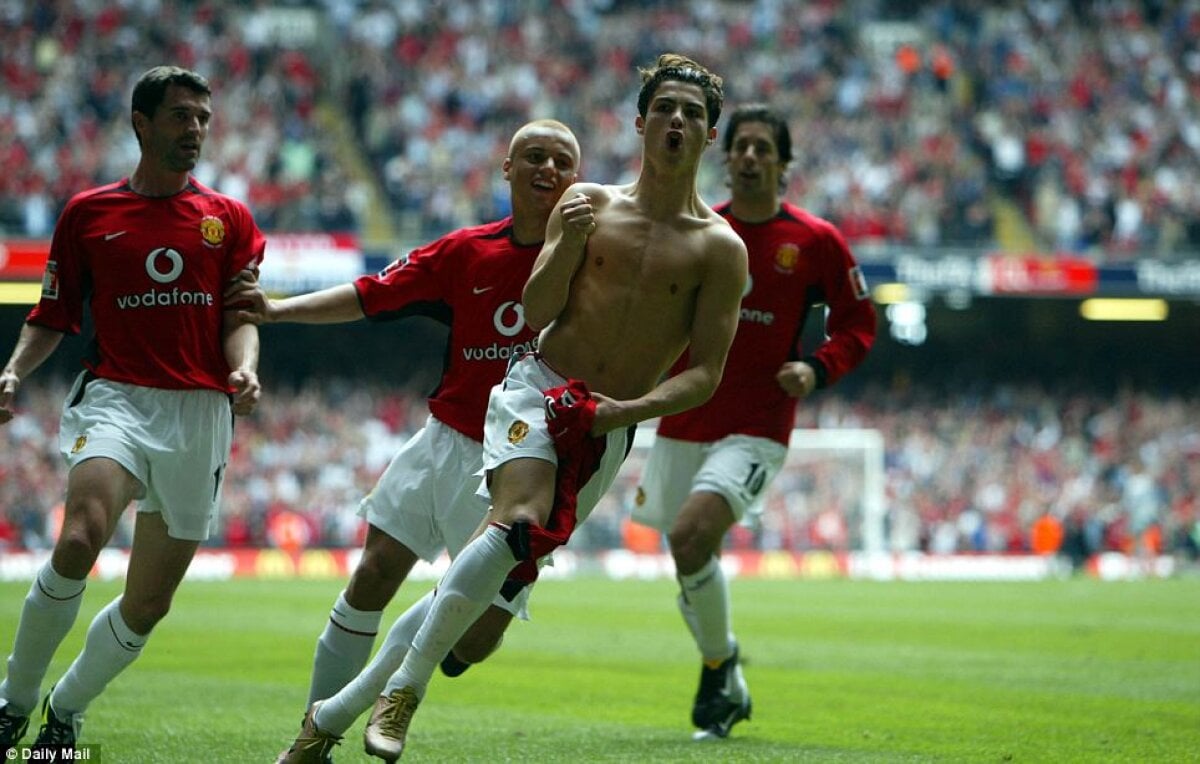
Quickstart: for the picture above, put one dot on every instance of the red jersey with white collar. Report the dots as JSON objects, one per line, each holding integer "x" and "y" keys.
{"x": 797, "y": 260}
{"x": 471, "y": 280}
{"x": 152, "y": 271}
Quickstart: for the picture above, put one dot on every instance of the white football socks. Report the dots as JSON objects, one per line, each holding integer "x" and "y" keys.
{"x": 337, "y": 713}
{"x": 50, "y": 610}
{"x": 469, "y": 586}
{"x": 108, "y": 650}
{"x": 342, "y": 649}
{"x": 705, "y": 605}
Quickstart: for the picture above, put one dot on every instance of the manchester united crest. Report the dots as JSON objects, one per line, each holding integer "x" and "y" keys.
{"x": 786, "y": 258}
{"x": 213, "y": 230}
{"x": 517, "y": 432}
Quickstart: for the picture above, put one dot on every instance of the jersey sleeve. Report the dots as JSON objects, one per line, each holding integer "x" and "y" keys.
{"x": 65, "y": 280}
{"x": 251, "y": 244}
{"x": 851, "y": 323}
{"x": 415, "y": 284}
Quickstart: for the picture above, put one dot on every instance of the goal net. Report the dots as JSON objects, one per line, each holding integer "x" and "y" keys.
{"x": 828, "y": 496}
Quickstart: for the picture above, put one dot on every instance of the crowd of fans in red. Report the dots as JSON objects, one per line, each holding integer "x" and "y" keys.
{"x": 910, "y": 118}
{"x": 909, "y": 121}
{"x": 967, "y": 473}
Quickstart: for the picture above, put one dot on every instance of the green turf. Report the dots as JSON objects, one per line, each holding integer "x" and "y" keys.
{"x": 1057, "y": 671}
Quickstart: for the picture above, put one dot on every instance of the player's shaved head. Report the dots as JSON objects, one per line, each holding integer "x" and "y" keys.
{"x": 539, "y": 125}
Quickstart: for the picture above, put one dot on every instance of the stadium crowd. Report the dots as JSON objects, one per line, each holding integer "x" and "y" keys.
{"x": 968, "y": 473}
{"x": 1085, "y": 115}
{"x": 911, "y": 118}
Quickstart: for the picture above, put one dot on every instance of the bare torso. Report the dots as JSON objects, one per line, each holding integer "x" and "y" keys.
{"x": 633, "y": 299}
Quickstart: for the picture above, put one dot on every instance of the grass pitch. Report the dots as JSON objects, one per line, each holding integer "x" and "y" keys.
{"x": 840, "y": 671}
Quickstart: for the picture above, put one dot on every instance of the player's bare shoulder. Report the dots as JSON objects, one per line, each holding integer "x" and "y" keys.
{"x": 725, "y": 247}
{"x": 598, "y": 193}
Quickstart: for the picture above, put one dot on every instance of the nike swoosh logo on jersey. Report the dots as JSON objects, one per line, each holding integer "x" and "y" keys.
{"x": 481, "y": 290}
{"x": 111, "y": 236}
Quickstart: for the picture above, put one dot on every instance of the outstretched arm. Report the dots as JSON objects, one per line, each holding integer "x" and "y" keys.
{"x": 567, "y": 232}
{"x": 249, "y": 304}
{"x": 34, "y": 345}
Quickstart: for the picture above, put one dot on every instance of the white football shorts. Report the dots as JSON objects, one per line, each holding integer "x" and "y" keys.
{"x": 426, "y": 498}
{"x": 175, "y": 442}
{"x": 737, "y": 467}
{"x": 516, "y": 428}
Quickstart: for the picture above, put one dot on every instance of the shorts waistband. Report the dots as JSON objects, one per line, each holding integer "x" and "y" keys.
{"x": 537, "y": 357}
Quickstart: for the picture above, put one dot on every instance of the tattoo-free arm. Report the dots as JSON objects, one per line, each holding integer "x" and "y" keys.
{"x": 335, "y": 305}
{"x": 34, "y": 345}
{"x": 567, "y": 231}
{"x": 240, "y": 343}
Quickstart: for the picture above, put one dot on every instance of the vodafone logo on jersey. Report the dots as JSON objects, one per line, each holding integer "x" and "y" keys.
{"x": 509, "y": 321}
{"x": 752, "y": 315}
{"x": 174, "y": 266}
{"x": 164, "y": 265}
{"x": 509, "y": 318}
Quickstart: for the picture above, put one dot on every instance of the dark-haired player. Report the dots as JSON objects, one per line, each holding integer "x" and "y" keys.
{"x": 151, "y": 417}
{"x": 709, "y": 466}
{"x": 628, "y": 277}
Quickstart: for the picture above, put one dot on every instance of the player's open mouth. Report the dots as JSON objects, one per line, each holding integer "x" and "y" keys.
{"x": 674, "y": 140}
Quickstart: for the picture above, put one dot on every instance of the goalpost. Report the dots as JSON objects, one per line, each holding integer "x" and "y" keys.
{"x": 860, "y": 449}
{"x": 830, "y": 493}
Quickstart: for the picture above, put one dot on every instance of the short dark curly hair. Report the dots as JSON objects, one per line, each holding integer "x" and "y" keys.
{"x": 680, "y": 68}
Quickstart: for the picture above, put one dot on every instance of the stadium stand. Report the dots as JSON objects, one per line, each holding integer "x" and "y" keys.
{"x": 1050, "y": 126}
{"x": 972, "y": 473}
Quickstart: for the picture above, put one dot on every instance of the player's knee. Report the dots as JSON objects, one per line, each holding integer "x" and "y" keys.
{"x": 80, "y": 541}
{"x": 690, "y": 548}
{"x": 376, "y": 579}
{"x": 142, "y": 614}
{"x": 373, "y": 575}
{"x": 517, "y": 536}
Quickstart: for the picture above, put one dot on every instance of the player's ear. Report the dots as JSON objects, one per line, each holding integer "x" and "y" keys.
{"x": 639, "y": 124}
{"x": 712, "y": 135}
{"x": 139, "y": 123}
{"x": 506, "y": 167}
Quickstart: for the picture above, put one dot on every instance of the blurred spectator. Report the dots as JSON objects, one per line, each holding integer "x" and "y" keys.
{"x": 68, "y": 70}
{"x": 912, "y": 119}
{"x": 966, "y": 472}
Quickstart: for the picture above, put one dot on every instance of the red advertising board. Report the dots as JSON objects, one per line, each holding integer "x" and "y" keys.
{"x": 23, "y": 259}
{"x": 1030, "y": 275}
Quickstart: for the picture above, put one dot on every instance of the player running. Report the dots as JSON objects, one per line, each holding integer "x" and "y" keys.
{"x": 425, "y": 500}
{"x": 629, "y": 276}
{"x": 151, "y": 417}
{"x": 709, "y": 466}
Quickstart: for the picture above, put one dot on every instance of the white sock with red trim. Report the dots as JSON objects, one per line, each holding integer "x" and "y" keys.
{"x": 338, "y": 713}
{"x": 343, "y": 648}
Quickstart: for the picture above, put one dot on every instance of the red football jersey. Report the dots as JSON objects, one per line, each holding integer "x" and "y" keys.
{"x": 152, "y": 271}
{"x": 471, "y": 280}
{"x": 797, "y": 260}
